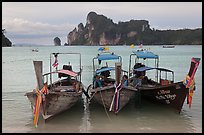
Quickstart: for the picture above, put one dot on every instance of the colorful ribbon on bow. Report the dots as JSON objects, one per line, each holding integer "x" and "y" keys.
{"x": 191, "y": 85}
{"x": 40, "y": 97}
{"x": 189, "y": 82}
{"x": 116, "y": 99}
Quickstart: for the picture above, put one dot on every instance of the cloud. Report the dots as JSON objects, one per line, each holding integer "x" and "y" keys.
{"x": 21, "y": 28}
{"x": 48, "y": 19}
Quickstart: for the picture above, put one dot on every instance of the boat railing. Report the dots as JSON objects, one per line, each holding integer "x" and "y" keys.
{"x": 56, "y": 55}
{"x": 144, "y": 55}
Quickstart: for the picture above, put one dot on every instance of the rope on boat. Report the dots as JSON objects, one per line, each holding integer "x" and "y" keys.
{"x": 92, "y": 96}
{"x": 85, "y": 92}
{"x": 87, "y": 89}
{"x": 101, "y": 99}
{"x": 105, "y": 107}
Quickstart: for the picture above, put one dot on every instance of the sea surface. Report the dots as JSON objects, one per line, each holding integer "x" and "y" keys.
{"x": 18, "y": 77}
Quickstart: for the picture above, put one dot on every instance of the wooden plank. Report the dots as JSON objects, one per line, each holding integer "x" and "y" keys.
{"x": 38, "y": 73}
{"x": 118, "y": 66}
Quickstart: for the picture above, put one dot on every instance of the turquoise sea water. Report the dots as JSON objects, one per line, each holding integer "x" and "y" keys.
{"x": 18, "y": 77}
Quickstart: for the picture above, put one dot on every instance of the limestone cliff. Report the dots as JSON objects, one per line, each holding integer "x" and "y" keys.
{"x": 100, "y": 30}
{"x": 57, "y": 41}
{"x": 5, "y": 41}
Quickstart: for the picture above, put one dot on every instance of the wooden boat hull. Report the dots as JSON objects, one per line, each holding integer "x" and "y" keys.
{"x": 59, "y": 95}
{"x": 55, "y": 102}
{"x": 172, "y": 94}
{"x": 104, "y": 95}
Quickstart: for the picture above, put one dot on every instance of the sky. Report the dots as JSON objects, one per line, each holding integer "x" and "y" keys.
{"x": 40, "y": 22}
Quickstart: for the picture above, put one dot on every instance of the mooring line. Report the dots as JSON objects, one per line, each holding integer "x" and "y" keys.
{"x": 105, "y": 107}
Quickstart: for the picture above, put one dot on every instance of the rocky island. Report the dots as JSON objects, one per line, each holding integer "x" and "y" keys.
{"x": 5, "y": 41}
{"x": 57, "y": 41}
{"x": 100, "y": 30}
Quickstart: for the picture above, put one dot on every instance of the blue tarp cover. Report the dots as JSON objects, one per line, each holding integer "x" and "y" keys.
{"x": 145, "y": 54}
{"x": 143, "y": 68}
{"x": 150, "y": 68}
{"x": 107, "y": 57}
{"x": 104, "y": 69}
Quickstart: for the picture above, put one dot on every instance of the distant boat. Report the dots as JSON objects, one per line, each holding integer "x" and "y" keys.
{"x": 168, "y": 46}
{"x": 34, "y": 50}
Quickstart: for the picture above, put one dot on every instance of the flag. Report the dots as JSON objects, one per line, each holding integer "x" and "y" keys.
{"x": 55, "y": 64}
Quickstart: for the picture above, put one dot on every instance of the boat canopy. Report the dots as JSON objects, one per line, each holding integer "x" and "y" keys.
{"x": 145, "y": 54}
{"x": 107, "y": 57}
{"x": 68, "y": 72}
{"x": 63, "y": 71}
{"x": 145, "y": 68}
{"x": 104, "y": 69}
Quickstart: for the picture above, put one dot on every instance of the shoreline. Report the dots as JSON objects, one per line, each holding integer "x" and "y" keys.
{"x": 93, "y": 45}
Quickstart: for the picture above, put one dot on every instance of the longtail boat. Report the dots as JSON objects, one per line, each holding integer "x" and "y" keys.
{"x": 109, "y": 87}
{"x": 58, "y": 96}
{"x": 168, "y": 46}
{"x": 162, "y": 87}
